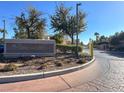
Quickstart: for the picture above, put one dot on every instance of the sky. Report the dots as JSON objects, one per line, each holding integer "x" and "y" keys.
{"x": 104, "y": 17}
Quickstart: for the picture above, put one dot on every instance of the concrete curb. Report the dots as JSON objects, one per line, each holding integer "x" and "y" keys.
{"x": 25, "y": 77}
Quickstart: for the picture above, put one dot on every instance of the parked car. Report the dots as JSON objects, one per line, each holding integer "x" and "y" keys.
{"x": 1, "y": 48}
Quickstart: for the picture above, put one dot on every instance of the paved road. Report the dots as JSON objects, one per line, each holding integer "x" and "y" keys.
{"x": 112, "y": 77}
{"x": 105, "y": 74}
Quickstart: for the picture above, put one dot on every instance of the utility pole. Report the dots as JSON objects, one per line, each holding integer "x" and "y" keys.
{"x": 4, "y": 31}
{"x": 77, "y": 6}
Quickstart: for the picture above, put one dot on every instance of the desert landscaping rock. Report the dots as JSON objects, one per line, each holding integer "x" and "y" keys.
{"x": 23, "y": 77}
{"x": 38, "y": 64}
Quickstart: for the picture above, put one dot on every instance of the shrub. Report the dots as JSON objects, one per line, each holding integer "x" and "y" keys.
{"x": 10, "y": 67}
{"x": 29, "y": 63}
{"x": 84, "y": 54}
{"x": 42, "y": 66}
{"x": 84, "y": 60}
{"x": 68, "y": 48}
{"x": 58, "y": 38}
{"x": 80, "y": 62}
{"x": 58, "y": 64}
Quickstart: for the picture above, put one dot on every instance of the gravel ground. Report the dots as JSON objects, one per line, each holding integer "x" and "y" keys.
{"x": 34, "y": 65}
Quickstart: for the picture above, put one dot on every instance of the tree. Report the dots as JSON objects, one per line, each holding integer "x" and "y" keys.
{"x": 114, "y": 40}
{"x": 2, "y": 31}
{"x": 62, "y": 21}
{"x": 102, "y": 38}
{"x": 81, "y": 43}
{"x": 121, "y": 35}
{"x": 97, "y": 36}
{"x": 20, "y": 34}
{"x": 71, "y": 26}
{"x": 58, "y": 38}
{"x": 59, "y": 19}
{"x": 30, "y": 25}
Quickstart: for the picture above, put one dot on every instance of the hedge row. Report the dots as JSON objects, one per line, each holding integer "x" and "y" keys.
{"x": 68, "y": 48}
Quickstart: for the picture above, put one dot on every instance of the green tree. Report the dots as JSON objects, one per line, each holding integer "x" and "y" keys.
{"x": 30, "y": 25}
{"x": 71, "y": 25}
{"x": 62, "y": 21}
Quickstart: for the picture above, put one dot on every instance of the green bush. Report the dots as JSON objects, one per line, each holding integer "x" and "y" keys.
{"x": 68, "y": 48}
{"x": 10, "y": 67}
{"x": 58, "y": 38}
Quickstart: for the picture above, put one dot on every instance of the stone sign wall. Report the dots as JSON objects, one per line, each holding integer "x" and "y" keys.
{"x": 28, "y": 47}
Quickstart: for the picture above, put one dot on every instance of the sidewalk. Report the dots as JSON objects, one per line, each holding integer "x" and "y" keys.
{"x": 56, "y": 83}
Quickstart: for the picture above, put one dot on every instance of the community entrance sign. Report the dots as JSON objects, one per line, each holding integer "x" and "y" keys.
{"x": 29, "y": 47}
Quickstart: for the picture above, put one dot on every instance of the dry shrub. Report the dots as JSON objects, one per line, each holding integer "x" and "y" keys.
{"x": 10, "y": 67}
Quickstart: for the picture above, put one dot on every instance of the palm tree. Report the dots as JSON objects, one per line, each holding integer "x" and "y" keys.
{"x": 97, "y": 36}
{"x": 2, "y": 31}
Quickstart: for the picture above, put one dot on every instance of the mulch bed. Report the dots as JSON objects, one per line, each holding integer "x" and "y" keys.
{"x": 39, "y": 64}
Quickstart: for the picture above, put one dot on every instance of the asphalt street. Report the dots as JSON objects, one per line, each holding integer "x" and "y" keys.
{"x": 111, "y": 66}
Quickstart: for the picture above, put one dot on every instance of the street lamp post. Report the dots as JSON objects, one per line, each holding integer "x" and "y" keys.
{"x": 4, "y": 31}
{"x": 77, "y": 5}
